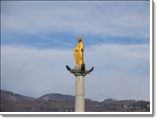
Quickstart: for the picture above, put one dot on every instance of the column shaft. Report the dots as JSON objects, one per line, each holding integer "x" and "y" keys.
{"x": 79, "y": 95}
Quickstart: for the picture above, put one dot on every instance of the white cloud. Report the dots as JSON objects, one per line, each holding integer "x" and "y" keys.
{"x": 98, "y": 18}
{"x": 121, "y": 71}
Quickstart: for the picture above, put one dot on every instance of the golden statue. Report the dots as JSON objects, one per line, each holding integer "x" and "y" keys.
{"x": 79, "y": 53}
{"x": 79, "y": 69}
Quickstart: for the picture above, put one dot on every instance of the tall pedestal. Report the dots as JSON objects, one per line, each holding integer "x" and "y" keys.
{"x": 79, "y": 87}
{"x": 79, "y": 95}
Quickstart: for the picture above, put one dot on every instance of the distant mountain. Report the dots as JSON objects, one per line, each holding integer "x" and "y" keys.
{"x": 57, "y": 97}
{"x": 14, "y": 96}
{"x": 109, "y": 100}
{"x": 12, "y": 102}
{"x": 125, "y": 105}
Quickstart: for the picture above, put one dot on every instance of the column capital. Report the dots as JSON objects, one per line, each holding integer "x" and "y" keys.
{"x": 79, "y": 72}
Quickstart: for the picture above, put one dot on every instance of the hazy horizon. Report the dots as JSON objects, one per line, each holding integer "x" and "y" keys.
{"x": 72, "y": 95}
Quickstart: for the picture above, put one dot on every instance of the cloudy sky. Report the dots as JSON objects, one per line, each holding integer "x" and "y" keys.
{"x": 37, "y": 41}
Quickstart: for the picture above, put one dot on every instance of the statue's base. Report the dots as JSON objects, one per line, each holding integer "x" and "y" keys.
{"x": 79, "y": 72}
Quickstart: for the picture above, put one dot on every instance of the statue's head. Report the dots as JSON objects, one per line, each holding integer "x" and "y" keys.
{"x": 80, "y": 39}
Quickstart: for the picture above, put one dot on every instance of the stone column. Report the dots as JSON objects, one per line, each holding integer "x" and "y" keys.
{"x": 79, "y": 87}
{"x": 79, "y": 94}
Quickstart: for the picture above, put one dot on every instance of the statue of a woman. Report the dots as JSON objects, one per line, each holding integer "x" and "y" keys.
{"x": 79, "y": 55}
{"x": 79, "y": 69}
